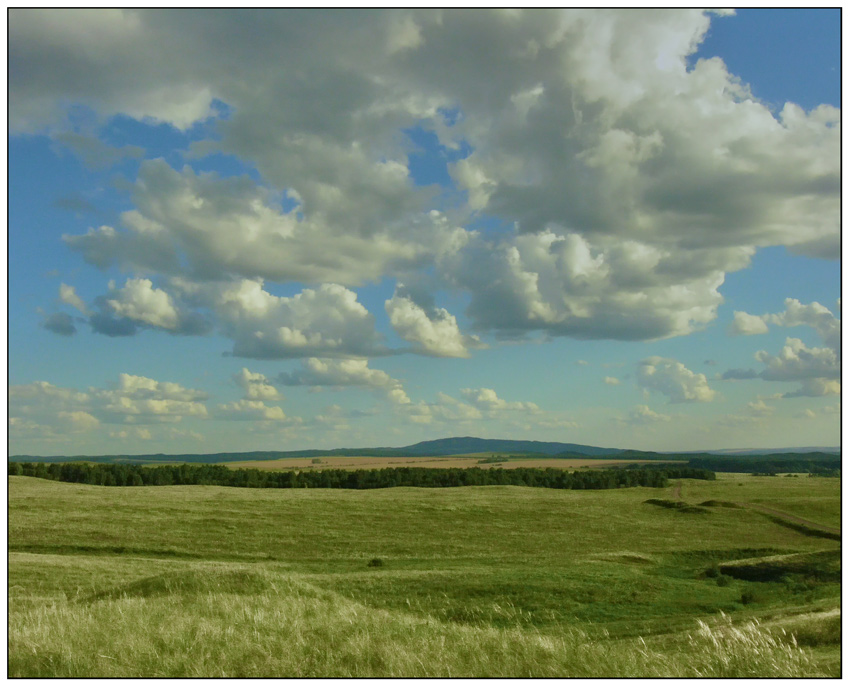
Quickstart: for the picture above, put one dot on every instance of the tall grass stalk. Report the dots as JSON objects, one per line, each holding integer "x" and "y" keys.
{"x": 292, "y": 629}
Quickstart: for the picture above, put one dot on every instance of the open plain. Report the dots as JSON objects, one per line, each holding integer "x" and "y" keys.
{"x": 180, "y": 581}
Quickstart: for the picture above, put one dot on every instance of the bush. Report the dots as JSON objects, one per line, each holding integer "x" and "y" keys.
{"x": 375, "y": 562}
{"x": 723, "y": 580}
{"x": 748, "y": 597}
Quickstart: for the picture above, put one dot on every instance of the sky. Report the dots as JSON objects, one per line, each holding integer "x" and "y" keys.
{"x": 277, "y": 230}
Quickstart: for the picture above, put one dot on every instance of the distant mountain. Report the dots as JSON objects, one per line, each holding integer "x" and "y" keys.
{"x": 773, "y": 451}
{"x": 469, "y": 444}
{"x": 441, "y": 447}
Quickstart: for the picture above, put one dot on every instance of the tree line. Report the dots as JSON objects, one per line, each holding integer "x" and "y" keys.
{"x": 817, "y": 463}
{"x": 219, "y": 475}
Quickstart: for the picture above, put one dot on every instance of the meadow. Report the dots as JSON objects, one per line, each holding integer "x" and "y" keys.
{"x": 490, "y": 581}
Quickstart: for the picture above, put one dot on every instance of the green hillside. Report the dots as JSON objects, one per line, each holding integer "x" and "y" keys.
{"x": 190, "y": 581}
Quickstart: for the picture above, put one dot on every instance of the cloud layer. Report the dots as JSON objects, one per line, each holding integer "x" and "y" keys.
{"x": 629, "y": 181}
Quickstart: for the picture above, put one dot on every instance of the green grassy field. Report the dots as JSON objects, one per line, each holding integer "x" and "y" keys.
{"x": 475, "y": 582}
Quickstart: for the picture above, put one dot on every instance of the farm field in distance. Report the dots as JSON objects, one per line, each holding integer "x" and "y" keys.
{"x": 209, "y": 581}
{"x": 482, "y": 460}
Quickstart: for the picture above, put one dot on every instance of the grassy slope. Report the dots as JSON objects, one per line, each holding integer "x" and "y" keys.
{"x": 803, "y": 496}
{"x": 522, "y": 573}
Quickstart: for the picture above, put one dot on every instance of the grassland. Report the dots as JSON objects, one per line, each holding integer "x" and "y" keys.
{"x": 477, "y": 581}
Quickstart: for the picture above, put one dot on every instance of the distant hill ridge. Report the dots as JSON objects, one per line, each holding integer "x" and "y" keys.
{"x": 470, "y": 444}
{"x": 457, "y": 445}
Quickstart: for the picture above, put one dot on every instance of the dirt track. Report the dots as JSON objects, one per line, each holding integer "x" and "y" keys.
{"x": 676, "y": 495}
{"x": 789, "y": 517}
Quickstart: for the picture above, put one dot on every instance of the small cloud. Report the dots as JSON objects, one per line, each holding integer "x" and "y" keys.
{"x": 135, "y": 433}
{"x": 433, "y": 330}
{"x": 736, "y": 421}
{"x": 759, "y": 408}
{"x": 674, "y": 380}
{"x": 60, "y": 323}
{"x": 68, "y": 295}
{"x": 487, "y": 399}
{"x": 250, "y": 410}
{"x": 104, "y": 323}
{"x": 815, "y": 388}
{"x": 75, "y": 204}
{"x": 643, "y": 414}
{"x": 611, "y": 381}
{"x": 582, "y": 363}
{"x": 806, "y": 414}
{"x": 739, "y": 374}
{"x": 77, "y": 421}
{"x": 256, "y": 386}
{"x": 317, "y": 373}
{"x": 747, "y": 325}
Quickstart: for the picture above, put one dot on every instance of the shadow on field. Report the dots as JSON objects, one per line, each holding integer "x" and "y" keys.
{"x": 677, "y": 505}
{"x": 190, "y": 583}
{"x": 822, "y": 565}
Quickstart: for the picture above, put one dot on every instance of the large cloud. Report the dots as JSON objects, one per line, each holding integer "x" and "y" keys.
{"x": 137, "y": 305}
{"x": 569, "y": 285}
{"x": 327, "y": 321}
{"x": 601, "y": 128}
{"x": 797, "y": 361}
{"x": 206, "y": 227}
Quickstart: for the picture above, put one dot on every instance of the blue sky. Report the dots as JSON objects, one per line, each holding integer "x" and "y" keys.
{"x": 247, "y": 231}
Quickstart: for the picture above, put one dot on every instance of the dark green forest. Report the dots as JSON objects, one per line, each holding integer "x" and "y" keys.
{"x": 821, "y": 464}
{"x": 218, "y": 475}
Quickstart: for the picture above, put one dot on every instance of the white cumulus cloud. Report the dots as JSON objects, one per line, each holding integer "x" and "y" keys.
{"x": 317, "y": 372}
{"x": 433, "y": 331}
{"x": 674, "y": 380}
{"x": 747, "y": 325}
{"x": 817, "y": 369}
{"x": 255, "y": 386}
{"x": 250, "y": 410}
{"x": 643, "y": 414}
